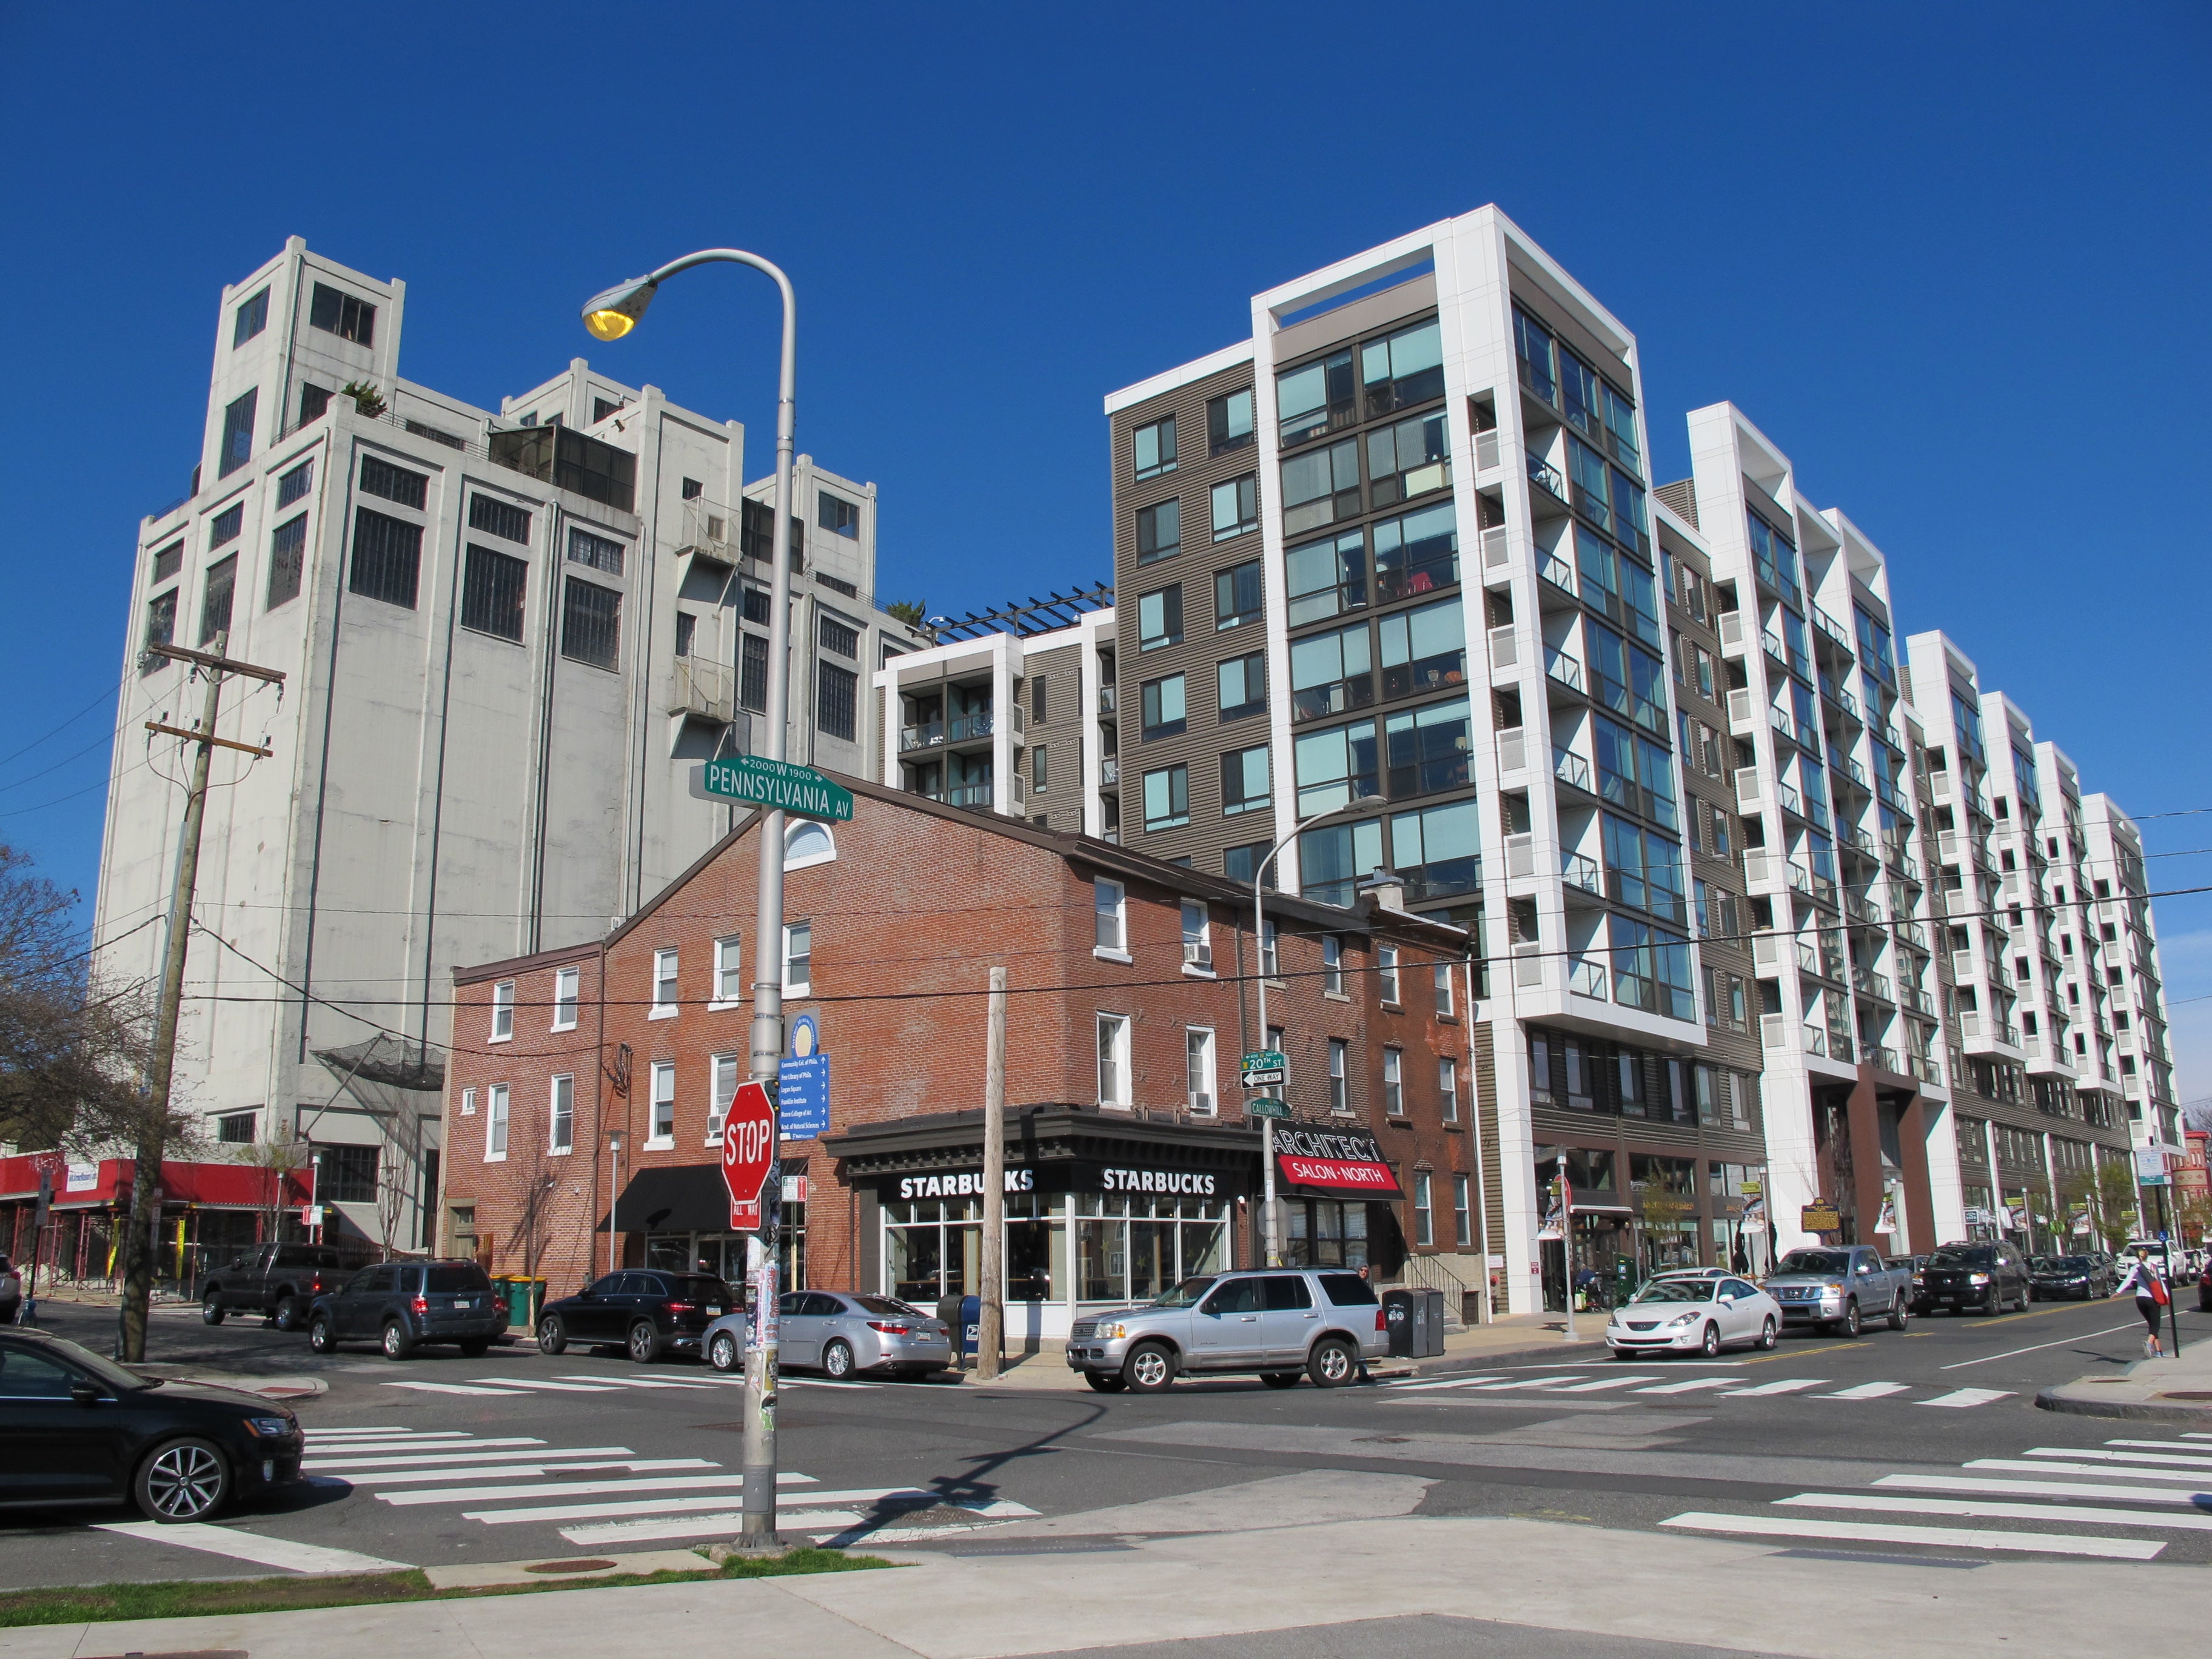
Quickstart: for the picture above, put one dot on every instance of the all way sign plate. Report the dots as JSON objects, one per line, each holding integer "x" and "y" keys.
{"x": 759, "y": 782}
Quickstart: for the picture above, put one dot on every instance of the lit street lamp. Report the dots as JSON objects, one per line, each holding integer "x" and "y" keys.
{"x": 609, "y": 316}
{"x": 614, "y": 1174}
{"x": 1361, "y": 803}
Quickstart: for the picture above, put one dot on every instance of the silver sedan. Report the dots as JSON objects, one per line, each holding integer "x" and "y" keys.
{"x": 839, "y": 1334}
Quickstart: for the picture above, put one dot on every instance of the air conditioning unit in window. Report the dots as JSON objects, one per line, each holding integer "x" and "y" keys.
{"x": 1197, "y": 955}
{"x": 1201, "y": 1102}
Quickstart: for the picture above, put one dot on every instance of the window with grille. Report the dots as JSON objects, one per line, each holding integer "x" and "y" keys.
{"x": 295, "y": 483}
{"x": 348, "y": 1175}
{"x": 235, "y": 1127}
{"x": 840, "y": 637}
{"x": 340, "y": 313}
{"x": 288, "y": 558}
{"x": 496, "y": 518}
{"x": 599, "y": 552}
{"x": 237, "y": 434}
{"x": 252, "y": 318}
{"x": 225, "y": 526}
{"x": 168, "y": 562}
{"x": 493, "y": 588}
{"x": 387, "y": 557}
{"x": 394, "y": 483}
{"x": 591, "y": 624}
{"x": 837, "y": 700}
{"x": 752, "y": 673}
{"x": 836, "y": 516}
{"x": 214, "y": 598}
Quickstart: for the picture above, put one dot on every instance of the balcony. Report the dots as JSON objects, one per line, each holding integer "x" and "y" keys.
{"x": 1109, "y": 772}
{"x": 1840, "y": 1046}
{"x": 968, "y": 728}
{"x": 1832, "y": 631}
{"x": 969, "y": 794}
{"x": 1565, "y": 670}
{"x": 1557, "y": 573}
{"x": 1918, "y": 1001}
{"x": 1809, "y": 962}
{"x": 1109, "y": 698}
{"x": 1791, "y": 801}
{"x": 1774, "y": 654}
{"x": 1861, "y": 910}
{"x": 1816, "y": 1041}
{"x": 1870, "y": 984}
{"x": 1572, "y": 770}
{"x": 928, "y": 735}
{"x": 1884, "y": 1060}
{"x": 706, "y": 690}
{"x": 1587, "y": 979}
{"x": 1847, "y": 769}
{"x": 1581, "y": 873}
{"x": 1925, "y": 1068}
{"x": 1546, "y": 478}
{"x": 1912, "y": 934}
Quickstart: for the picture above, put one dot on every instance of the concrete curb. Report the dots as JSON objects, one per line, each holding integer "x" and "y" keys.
{"x": 2065, "y": 1398}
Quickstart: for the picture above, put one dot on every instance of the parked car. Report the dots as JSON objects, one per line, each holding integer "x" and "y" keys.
{"x": 1694, "y": 1313}
{"x": 1280, "y": 1322}
{"x": 1840, "y": 1288}
{"x": 279, "y": 1281}
{"x": 78, "y": 1429}
{"x": 2079, "y": 1277}
{"x": 839, "y": 1333}
{"x": 1990, "y": 1277}
{"x": 401, "y": 1305}
{"x": 650, "y": 1311}
{"x": 2204, "y": 1290}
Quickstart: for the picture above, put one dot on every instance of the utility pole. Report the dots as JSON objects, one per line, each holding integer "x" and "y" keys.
{"x": 153, "y": 1125}
{"x": 991, "y": 1327}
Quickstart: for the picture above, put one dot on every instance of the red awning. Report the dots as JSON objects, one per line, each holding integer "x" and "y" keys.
{"x": 1333, "y": 1162}
{"x": 78, "y": 1185}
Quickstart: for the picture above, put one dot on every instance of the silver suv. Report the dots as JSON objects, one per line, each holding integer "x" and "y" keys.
{"x": 1279, "y": 1323}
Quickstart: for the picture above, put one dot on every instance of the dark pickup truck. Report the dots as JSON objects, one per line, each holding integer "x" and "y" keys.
{"x": 278, "y": 1281}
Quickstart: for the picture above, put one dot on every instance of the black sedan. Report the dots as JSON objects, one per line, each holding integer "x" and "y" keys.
{"x": 2204, "y": 1290}
{"x": 78, "y": 1429}
{"x": 649, "y": 1311}
{"x": 2082, "y": 1277}
{"x": 400, "y": 1305}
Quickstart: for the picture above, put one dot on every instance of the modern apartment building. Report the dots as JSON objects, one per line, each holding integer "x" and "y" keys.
{"x": 2112, "y": 875}
{"x": 506, "y": 637}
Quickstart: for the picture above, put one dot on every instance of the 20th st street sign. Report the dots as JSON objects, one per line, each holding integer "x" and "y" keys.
{"x": 759, "y": 782}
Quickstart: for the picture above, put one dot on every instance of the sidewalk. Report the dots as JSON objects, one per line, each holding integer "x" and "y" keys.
{"x": 2172, "y": 1389}
{"x": 1066, "y": 1594}
{"x": 1539, "y": 1334}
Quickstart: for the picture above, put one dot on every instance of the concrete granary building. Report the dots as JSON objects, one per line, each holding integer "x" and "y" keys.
{"x": 1132, "y": 993}
{"x": 508, "y": 636}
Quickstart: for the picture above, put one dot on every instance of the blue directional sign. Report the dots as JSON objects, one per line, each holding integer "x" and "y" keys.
{"x": 803, "y": 1102}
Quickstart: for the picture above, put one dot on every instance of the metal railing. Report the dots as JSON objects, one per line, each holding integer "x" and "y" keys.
{"x": 927, "y": 735}
{"x": 1586, "y": 978}
{"x": 970, "y": 726}
{"x": 1572, "y": 768}
{"x": 1580, "y": 870}
{"x": 1545, "y": 478}
{"x": 1558, "y": 665}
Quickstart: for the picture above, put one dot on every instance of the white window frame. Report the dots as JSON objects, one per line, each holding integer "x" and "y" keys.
{"x": 1447, "y": 1085}
{"x": 1202, "y": 1095}
{"x": 729, "y": 971}
{"x": 720, "y": 1068}
{"x": 496, "y": 1116}
{"x": 808, "y": 861}
{"x": 1114, "y": 911}
{"x": 1113, "y": 1030}
{"x": 663, "y": 1094}
{"x": 1462, "y": 1213}
{"x": 468, "y": 1103}
{"x": 1386, "y": 973}
{"x": 1394, "y": 1082}
{"x": 555, "y": 1145}
{"x": 802, "y": 986}
{"x": 1197, "y": 943}
{"x": 1332, "y": 965}
{"x": 1425, "y": 1216}
{"x": 1271, "y": 952}
{"x": 502, "y": 1011}
{"x": 667, "y": 965}
{"x": 1340, "y": 1074}
{"x": 568, "y": 994}
{"x": 1447, "y": 991}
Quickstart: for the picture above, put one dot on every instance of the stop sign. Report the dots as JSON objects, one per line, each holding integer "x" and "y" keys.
{"x": 748, "y": 1151}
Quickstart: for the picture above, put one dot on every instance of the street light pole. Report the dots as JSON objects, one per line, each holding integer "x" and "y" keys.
{"x": 609, "y": 316}
{"x": 1270, "y": 1232}
{"x": 614, "y": 1177}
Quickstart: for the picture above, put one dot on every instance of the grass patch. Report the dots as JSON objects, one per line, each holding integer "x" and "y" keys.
{"x": 191, "y": 1598}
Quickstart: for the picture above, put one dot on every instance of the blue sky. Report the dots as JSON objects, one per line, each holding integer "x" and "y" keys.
{"x": 1951, "y": 257}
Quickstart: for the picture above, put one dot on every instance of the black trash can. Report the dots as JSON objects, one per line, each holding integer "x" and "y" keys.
{"x": 1403, "y": 1312}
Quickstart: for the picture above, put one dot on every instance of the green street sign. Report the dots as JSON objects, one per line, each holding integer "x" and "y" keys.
{"x": 1265, "y": 1108}
{"x": 1263, "y": 1066}
{"x": 758, "y": 781}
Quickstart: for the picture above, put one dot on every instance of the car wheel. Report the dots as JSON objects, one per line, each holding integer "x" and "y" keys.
{"x": 321, "y": 1339}
{"x": 397, "y": 1345}
{"x": 1770, "y": 1337}
{"x": 287, "y": 1313}
{"x": 1150, "y": 1368}
{"x": 644, "y": 1344}
{"x": 722, "y": 1351}
{"x": 1280, "y": 1379}
{"x": 210, "y": 1310}
{"x": 1709, "y": 1344}
{"x": 837, "y": 1359}
{"x": 1333, "y": 1363}
{"x": 552, "y": 1335}
{"x": 1898, "y": 1313}
{"x": 475, "y": 1346}
{"x": 184, "y": 1480}
{"x": 1106, "y": 1381}
{"x": 1848, "y": 1325}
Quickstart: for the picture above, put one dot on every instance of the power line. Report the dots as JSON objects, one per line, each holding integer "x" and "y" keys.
{"x": 56, "y": 731}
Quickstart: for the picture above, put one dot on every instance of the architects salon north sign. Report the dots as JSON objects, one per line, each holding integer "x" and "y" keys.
{"x": 1349, "y": 1162}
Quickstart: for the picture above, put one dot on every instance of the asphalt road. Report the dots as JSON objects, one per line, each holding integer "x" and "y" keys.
{"x": 1826, "y": 1445}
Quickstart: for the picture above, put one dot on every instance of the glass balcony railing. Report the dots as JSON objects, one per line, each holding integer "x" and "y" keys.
{"x": 924, "y": 736}
{"x": 1587, "y": 979}
{"x": 969, "y": 794}
{"x": 1572, "y": 768}
{"x": 968, "y": 726}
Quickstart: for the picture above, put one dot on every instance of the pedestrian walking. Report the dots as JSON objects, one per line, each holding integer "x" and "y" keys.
{"x": 2151, "y": 1295}
{"x": 11, "y": 1291}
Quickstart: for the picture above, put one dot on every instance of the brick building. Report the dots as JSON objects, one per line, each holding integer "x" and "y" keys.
{"x": 1132, "y": 993}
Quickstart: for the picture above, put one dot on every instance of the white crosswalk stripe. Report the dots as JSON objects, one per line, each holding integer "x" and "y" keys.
{"x": 1962, "y": 1397}
{"x": 1726, "y": 1386}
{"x": 454, "y": 1388}
{"x": 1866, "y": 1391}
{"x": 548, "y": 1384}
{"x": 2114, "y": 1496}
{"x": 1787, "y": 1385}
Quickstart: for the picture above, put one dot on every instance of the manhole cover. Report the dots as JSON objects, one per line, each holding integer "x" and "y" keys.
{"x": 568, "y": 1566}
{"x": 2186, "y": 1393}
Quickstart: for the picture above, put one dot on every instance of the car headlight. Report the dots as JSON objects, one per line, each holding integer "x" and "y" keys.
{"x": 1111, "y": 1332}
{"x": 268, "y": 1428}
{"x": 1977, "y": 1278}
{"x": 1830, "y": 1293}
{"x": 1683, "y": 1319}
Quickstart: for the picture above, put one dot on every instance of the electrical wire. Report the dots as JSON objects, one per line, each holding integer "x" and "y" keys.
{"x": 56, "y": 731}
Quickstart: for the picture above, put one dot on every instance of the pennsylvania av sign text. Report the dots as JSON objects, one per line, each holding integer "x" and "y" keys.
{"x": 758, "y": 781}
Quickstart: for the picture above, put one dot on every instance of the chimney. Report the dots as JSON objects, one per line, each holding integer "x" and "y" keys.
{"x": 1386, "y": 888}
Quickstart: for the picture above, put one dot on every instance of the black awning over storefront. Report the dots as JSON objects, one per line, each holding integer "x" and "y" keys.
{"x": 1051, "y": 1149}
{"x": 683, "y": 1198}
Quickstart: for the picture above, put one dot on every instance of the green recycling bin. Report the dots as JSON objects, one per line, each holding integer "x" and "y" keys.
{"x": 528, "y": 1295}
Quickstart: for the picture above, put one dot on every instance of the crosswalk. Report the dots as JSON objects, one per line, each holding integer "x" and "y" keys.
{"x": 601, "y": 1496}
{"x": 514, "y": 1384}
{"x": 1727, "y": 1386}
{"x": 2111, "y": 1496}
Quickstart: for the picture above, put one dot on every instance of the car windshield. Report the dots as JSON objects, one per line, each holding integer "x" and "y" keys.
{"x": 1961, "y": 1256}
{"x": 1186, "y": 1294}
{"x": 1677, "y": 1290}
{"x": 698, "y": 1290}
{"x": 2073, "y": 1264}
{"x": 1815, "y": 1262}
{"x": 114, "y": 1375}
{"x": 450, "y": 1276}
{"x": 889, "y": 1307}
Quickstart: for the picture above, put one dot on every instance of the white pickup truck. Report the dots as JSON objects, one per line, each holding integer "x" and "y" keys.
{"x": 1840, "y": 1288}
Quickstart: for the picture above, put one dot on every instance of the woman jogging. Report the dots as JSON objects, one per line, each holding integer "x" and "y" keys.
{"x": 2151, "y": 1297}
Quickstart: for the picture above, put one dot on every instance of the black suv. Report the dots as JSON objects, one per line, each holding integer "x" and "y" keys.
{"x": 649, "y": 1311}
{"x": 78, "y": 1429}
{"x": 278, "y": 1281}
{"x": 402, "y": 1304}
{"x": 1989, "y": 1277}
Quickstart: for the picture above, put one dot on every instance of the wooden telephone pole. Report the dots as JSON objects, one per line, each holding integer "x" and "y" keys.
{"x": 991, "y": 1325}
{"x": 138, "y": 1246}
